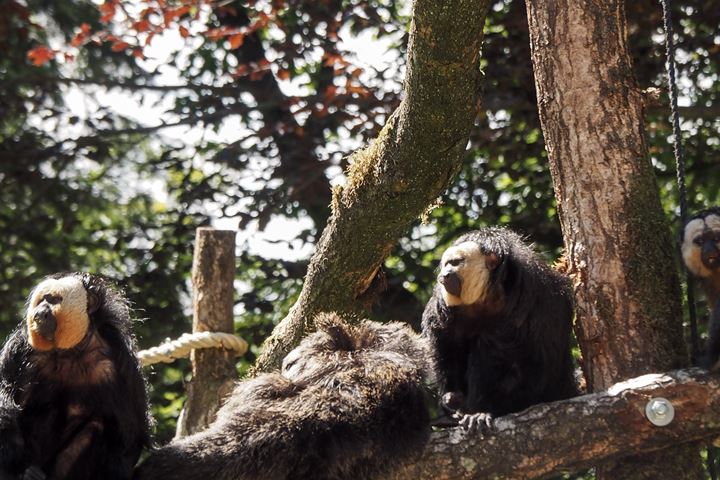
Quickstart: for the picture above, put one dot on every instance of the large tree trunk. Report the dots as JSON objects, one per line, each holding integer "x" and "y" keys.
{"x": 618, "y": 243}
{"x": 400, "y": 174}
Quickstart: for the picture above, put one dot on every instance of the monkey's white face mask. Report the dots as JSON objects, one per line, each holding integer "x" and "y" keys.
{"x": 701, "y": 246}
{"x": 464, "y": 274}
{"x": 57, "y": 314}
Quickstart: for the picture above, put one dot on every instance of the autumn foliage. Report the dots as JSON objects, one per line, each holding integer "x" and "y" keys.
{"x": 139, "y": 23}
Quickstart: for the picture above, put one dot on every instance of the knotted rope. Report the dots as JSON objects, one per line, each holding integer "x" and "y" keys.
{"x": 180, "y": 348}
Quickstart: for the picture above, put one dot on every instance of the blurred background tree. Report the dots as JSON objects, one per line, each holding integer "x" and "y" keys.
{"x": 254, "y": 107}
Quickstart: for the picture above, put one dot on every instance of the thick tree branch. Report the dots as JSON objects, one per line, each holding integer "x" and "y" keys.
{"x": 576, "y": 434}
{"x": 405, "y": 169}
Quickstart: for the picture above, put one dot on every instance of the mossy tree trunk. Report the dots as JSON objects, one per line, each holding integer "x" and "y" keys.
{"x": 618, "y": 242}
{"x": 393, "y": 181}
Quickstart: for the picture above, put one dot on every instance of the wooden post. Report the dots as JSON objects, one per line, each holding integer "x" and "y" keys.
{"x": 213, "y": 370}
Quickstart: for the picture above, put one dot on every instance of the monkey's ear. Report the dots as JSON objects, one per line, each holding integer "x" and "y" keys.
{"x": 492, "y": 260}
{"x": 93, "y": 301}
{"x": 94, "y": 292}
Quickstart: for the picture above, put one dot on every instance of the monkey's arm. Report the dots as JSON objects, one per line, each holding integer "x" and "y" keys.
{"x": 13, "y": 358}
{"x": 447, "y": 362}
{"x": 552, "y": 368}
{"x": 712, "y": 351}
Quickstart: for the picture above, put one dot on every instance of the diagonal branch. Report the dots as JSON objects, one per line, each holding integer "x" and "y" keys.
{"x": 401, "y": 173}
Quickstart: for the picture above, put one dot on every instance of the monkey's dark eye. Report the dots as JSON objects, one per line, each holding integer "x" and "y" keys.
{"x": 698, "y": 241}
{"x": 455, "y": 262}
{"x": 52, "y": 299}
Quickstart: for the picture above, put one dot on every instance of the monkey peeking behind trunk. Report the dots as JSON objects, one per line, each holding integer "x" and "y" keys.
{"x": 701, "y": 254}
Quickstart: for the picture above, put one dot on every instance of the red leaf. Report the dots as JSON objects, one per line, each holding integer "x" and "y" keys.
{"x": 216, "y": 34}
{"x": 138, "y": 53}
{"x": 40, "y": 55}
{"x": 78, "y": 39}
{"x": 107, "y": 11}
{"x": 184, "y": 32}
{"x": 236, "y": 40}
{"x": 119, "y": 46}
{"x": 85, "y": 28}
{"x": 142, "y": 26}
{"x": 283, "y": 74}
{"x": 174, "y": 13}
{"x": 241, "y": 70}
{"x": 256, "y": 75}
{"x": 331, "y": 92}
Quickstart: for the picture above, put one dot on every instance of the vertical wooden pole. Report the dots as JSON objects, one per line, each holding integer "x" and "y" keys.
{"x": 213, "y": 370}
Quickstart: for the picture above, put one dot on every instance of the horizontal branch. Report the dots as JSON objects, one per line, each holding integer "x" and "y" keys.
{"x": 228, "y": 89}
{"x": 579, "y": 433}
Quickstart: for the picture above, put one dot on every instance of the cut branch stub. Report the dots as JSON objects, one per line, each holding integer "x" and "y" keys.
{"x": 213, "y": 275}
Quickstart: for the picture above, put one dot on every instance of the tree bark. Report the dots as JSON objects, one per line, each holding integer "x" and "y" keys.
{"x": 617, "y": 241}
{"x": 575, "y": 434}
{"x": 393, "y": 181}
{"x": 213, "y": 370}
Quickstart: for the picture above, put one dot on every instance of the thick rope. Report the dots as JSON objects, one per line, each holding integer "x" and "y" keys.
{"x": 680, "y": 162}
{"x": 180, "y": 348}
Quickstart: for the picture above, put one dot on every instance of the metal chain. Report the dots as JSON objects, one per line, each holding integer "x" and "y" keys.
{"x": 682, "y": 192}
{"x": 680, "y": 162}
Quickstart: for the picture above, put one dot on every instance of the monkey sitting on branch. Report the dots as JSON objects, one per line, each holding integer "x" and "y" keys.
{"x": 499, "y": 324}
{"x": 73, "y": 401}
{"x": 348, "y": 403}
{"x": 701, "y": 254}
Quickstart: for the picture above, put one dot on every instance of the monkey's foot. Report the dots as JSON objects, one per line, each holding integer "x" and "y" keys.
{"x": 33, "y": 473}
{"x": 476, "y": 422}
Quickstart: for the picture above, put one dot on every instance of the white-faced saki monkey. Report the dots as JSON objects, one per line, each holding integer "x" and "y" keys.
{"x": 73, "y": 401}
{"x": 701, "y": 254}
{"x": 499, "y": 322}
{"x": 348, "y": 403}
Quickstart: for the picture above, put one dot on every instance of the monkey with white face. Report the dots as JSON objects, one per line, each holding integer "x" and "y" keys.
{"x": 499, "y": 323}
{"x": 73, "y": 401}
{"x": 701, "y": 254}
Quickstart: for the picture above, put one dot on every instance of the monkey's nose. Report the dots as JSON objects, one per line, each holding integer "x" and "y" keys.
{"x": 710, "y": 255}
{"x": 451, "y": 282}
{"x": 45, "y": 323}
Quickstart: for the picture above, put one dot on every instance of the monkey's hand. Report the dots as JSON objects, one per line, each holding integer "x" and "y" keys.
{"x": 33, "y": 472}
{"x": 452, "y": 402}
{"x": 476, "y": 422}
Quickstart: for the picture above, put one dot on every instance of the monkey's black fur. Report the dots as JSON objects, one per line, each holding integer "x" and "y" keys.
{"x": 79, "y": 413}
{"x": 511, "y": 349}
{"x": 349, "y": 403}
